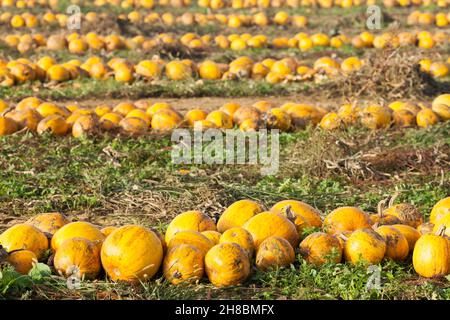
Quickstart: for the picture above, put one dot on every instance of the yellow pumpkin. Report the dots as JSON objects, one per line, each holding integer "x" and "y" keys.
{"x": 24, "y": 237}
{"x": 227, "y": 264}
{"x": 48, "y": 222}
{"x": 276, "y": 118}
{"x": 166, "y": 120}
{"x": 407, "y": 213}
{"x": 440, "y": 209}
{"x": 195, "y": 115}
{"x": 319, "y": 248}
{"x": 22, "y": 260}
{"x": 214, "y": 236}
{"x": 86, "y": 125}
{"x": 230, "y": 108}
{"x": 220, "y": 119}
{"x": 396, "y": 244}
{"x": 131, "y": 253}
{"x": 425, "y": 228}
{"x": 240, "y": 236}
{"x": 7, "y": 126}
{"x": 78, "y": 257}
{"x": 244, "y": 113}
{"x": 267, "y": 224}
{"x": 110, "y": 121}
{"x": 53, "y": 124}
{"x": 443, "y": 222}
{"x": 304, "y": 214}
{"x": 237, "y": 214}
{"x": 133, "y": 126}
{"x": 177, "y": 70}
{"x": 376, "y": 117}
{"x": 346, "y": 219}
{"x": 189, "y": 220}
{"x": 25, "y": 118}
{"x": 364, "y": 245}
{"x": 274, "y": 252}
{"x": 79, "y": 229}
{"x": 411, "y": 234}
{"x": 108, "y": 230}
{"x": 426, "y": 117}
{"x": 183, "y": 263}
{"x": 381, "y": 219}
{"x": 190, "y": 237}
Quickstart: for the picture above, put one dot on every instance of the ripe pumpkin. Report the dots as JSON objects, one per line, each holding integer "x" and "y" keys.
{"x": 79, "y": 229}
{"x": 220, "y": 119}
{"x": 440, "y": 209}
{"x": 303, "y": 115}
{"x": 24, "y": 237}
{"x": 133, "y": 126}
{"x": 240, "y": 236}
{"x": 346, "y": 219}
{"x": 396, "y": 244}
{"x": 25, "y": 118}
{"x": 48, "y": 222}
{"x": 376, "y": 117}
{"x": 304, "y": 214}
{"x": 267, "y": 224}
{"x": 274, "y": 252}
{"x": 276, "y": 118}
{"x": 382, "y": 219}
{"x": 190, "y": 237}
{"x": 244, "y": 113}
{"x": 7, "y": 126}
{"x": 319, "y": 248}
{"x": 78, "y": 257}
{"x": 407, "y": 213}
{"x": 108, "y": 230}
{"x": 195, "y": 115}
{"x": 166, "y": 120}
{"x": 230, "y": 108}
{"x": 237, "y": 214}
{"x": 426, "y": 117}
{"x": 131, "y": 253}
{"x": 178, "y": 70}
{"x": 86, "y": 125}
{"x": 214, "y": 236}
{"x": 189, "y": 220}
{"x": 110, "y": 121}
{"x": 183, "y": 263}
{"x": 364, "y": 245}
{"x": 227, "y": 264}
{"x": 22, "y": 260}
{"x": 53, "y": 124}
{"x": 411, "y": 234}
{"x": 443, "y": 222}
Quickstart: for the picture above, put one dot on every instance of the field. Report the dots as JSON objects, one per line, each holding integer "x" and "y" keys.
{"x": 126, "y": 175}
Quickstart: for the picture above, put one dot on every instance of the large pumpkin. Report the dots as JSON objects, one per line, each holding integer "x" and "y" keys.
{"x": 79, "y": 229}
{"x": 183, "y": 263}
{"x": 407, "y": 213}
{"x": 48, "y": 222}
{"x": 193, "y": 238}
{"x": 411, "y": 234}
{"x": 227, "y": 264}
{"x": 22, "y": 260}
{"x": 319, "y": 248}
{"x": 274, "y": 252}
{"x": 440, "y": 209}
{"x": 346, "y": 219}
{"x": 443, "y": 222}
{"x": 189, "y": 220}
{"x": 131, "y": 253}
{"x": 305, "y": 215}
{"x": 364, "y": 245}
{"x": 78, "y": 257}
{"x": 396, "y": 244}
{"x": 24, "y": 237}
{"x": 237, "y": 214}
{"x": 240, "y": 236}
{"x": 267, "y": 224}
{"x": 431, "y": 255}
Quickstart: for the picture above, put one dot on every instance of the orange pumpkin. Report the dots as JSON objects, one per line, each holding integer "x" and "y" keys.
{"x": 214, "y": 236}
{"x": 407, "y": 213}
{"x": 48, "y": 222}
{"x": 425, "y": 228}
{"x": 304, "y": 214}
{"x": 411, "y": 234}
{"x": 79, "y": 229}
{"x": 396, "y": 244}
{"x": 364, "y": 245}
{"x": 240, "y": 236}
{"x": 22, "y": 260}
{"x": 107, "y": 230}
{"x": 183, "y": 263}
{"x": 319, "y": 248}
{"x": 24, "y": 237}
{"x": 237, "y": 214}
{"x": 274, "y": 252}
{"x": 189, "y": 220}
{"x": 346, "y": 219}
{"x": 381, "y": 219}
{"x": 190, "y": 237}
{"x": 440, "y": 209}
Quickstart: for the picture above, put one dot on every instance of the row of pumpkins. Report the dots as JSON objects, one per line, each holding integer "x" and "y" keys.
{"x": 139, "y": 117}
{"x": 440, "y": 19}
{"x": 194, "y": 244}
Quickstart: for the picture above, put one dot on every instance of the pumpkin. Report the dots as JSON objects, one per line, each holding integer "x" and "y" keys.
{"x": 364, "y": 245}
{"x": 48, "y": 222}
{"x": 305, "y": 215}
{"x": 131, "y": 253}
{"x": 110, "y": 121}
{"x": 7, "y": 126}
{"x": 230, "y": 108}
{"x": 427, "y": 117}
{"x": 133, "y": 126}
{"x": 443, "y": 222}
{"x": 396, "y": 244}
{"x": 376, "y": 117}
{"x": 407, "y": 213}
{"x": 304, "y": 115}
{"x": 440, "y": 209}
{"x": 381, "y": 219}
{"x": 183, "y": 263}
{"x": 79, "y": 229}
{"x": 346, "y": 219}
{"x": 237, "y": 214}
{"x": 54, "y": 124}
{"x": 214, "y": 236}
{"x": 319, "y": 248}
{"x": 267, "y": 224}
{"x": 240, "y": 236}
{"x": 425, "y": 228}
{"x": 189, "y": 220}
{"x": 85, "y": 125}
{"x": 195, "y": 115}
{"x": 28, "y": 118}
{"x": 276, "y": 118}
{"x": 107, "y": 230}
{"x": 431, "y": 255}
{"x": 404, "y": 118}
{"x": 411, "y": 234}
{"x": 227, "y": 264}
{"x": 244, "y": 113}
{"x": 330, "y": 121}
{"x": 274, "y": 252}
{"x": 190, "y": 237}
{"x": 166, "y": 120}
{"x": 22, "y": 260}
{"x": 78, "y": 257}
{"x": 24, "y": 237}
{"x": 220, "y": 119}
{"x": 178, "y": 70}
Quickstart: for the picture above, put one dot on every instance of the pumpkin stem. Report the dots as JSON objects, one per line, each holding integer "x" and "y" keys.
{"x": 342, "y": 236}
{"x": 380, "y": 208}
{"x": 288, "y": 213}
{"x": 441, "y": 231}
{"x": 5, "y": 112}
{"x": 3, "y": 254}
{"x": 393, "y": 198}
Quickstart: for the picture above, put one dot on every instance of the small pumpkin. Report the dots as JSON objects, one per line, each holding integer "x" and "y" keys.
{"x": 274, "y": 252}
{"x": 382, "y": 219}
{"x": 396, "y": 244}
{"x": 411, "y": 234}
{"x": 79, "y": 229}
{"x": 48, "y": 222}
{"x": 319, "y": 248}
{"x": 440, "y": 209}
{"x": 305, "y": 215}
{"x": 131, "y": 253}
{"x": 189, "y": 220}
{"x": 364, "y": 245}
{"x": 24, "y": 237}
{"x": 240, "y": 236}
{"x": 107, "y": 230}
{"x": 346, "y": 219}
{"x": 227, "y": 264}
{"x": 78, "y": 257}
{"x": 214, "y": 236}
{"x": 431, "y": 255}
{"x": 237, "y": 214}
{"x": 425, "y": 228}
{"x": 267, "y": 224}
{"x": 407, "y": 213}
{"x": 22, "y": 260}
{"x": 183, "y": 263}
{"x": 193, "y": 238}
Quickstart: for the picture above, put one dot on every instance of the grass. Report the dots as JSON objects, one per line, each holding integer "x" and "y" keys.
{"x": 116, "y": 180}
